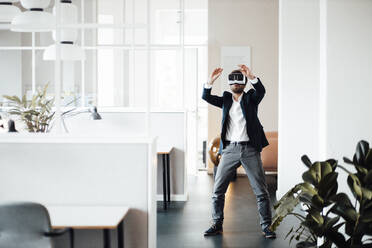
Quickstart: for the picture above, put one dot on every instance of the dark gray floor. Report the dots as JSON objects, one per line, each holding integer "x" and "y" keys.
{"x": 183, "y": 224}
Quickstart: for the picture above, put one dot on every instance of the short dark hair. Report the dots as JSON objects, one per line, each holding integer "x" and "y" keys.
{"x": 238, "y": 72}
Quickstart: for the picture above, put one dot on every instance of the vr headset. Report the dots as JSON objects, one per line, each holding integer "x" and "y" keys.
{"x": 236, "y": 78}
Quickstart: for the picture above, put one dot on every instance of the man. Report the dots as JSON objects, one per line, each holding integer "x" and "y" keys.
{"x": 242, "y": 139}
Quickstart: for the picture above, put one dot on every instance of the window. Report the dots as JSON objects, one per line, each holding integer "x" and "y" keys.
{"x": 114, "y": 36}
{"x": 132, "y": 49}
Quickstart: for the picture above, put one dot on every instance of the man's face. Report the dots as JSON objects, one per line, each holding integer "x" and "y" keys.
{"x": 237, "y": 88}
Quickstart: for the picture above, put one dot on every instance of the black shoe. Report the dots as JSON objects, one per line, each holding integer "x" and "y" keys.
{"x": 267, "y": 233}
{"x": 215, "y": 229}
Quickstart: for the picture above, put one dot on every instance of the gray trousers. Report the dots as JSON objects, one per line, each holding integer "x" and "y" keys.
{"x": 246, "y": 155}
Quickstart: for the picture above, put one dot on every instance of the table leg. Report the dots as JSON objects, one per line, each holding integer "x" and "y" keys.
{"x": 121, "y": 234}
{"x": 164, "y": 184}
{"x": 72, "y": 238}
{"x": 168, "y": 177}
{"x": 106, "y": 238}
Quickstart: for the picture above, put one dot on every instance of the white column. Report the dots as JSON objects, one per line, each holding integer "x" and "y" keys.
{"x": 324, "y": 83}
{"x": 299, "y": 88}
{"x": 349, "y": 79}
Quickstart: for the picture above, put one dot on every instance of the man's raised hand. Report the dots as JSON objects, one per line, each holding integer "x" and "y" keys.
{"x": 247, "y": 72}
{"x": 215, "y": 74}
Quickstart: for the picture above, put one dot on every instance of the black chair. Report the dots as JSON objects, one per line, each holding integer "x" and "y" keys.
{"x": 27, "y": 225}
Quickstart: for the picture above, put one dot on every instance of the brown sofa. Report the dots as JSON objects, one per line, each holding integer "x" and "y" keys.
{"x": 269, "y": 154}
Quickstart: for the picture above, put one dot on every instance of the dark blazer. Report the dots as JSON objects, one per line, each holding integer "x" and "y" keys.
{"x": 249, "y": 104}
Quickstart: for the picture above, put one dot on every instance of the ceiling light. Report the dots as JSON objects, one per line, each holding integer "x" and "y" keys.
{"x": 35, "y": 19}
{"x": 68, "y": 36}
{"x": 69, "y": 52}
{"x": 8, "y": 11}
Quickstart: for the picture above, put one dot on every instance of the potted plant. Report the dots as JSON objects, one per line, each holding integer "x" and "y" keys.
{"x": 36, "y": 114}
{"x": 326, "y": 209}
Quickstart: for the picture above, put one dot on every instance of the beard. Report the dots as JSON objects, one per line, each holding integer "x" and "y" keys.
{"x": 237, "y": 90}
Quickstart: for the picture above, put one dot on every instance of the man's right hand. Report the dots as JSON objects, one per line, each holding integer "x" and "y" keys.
{"x": 215, "y": 74}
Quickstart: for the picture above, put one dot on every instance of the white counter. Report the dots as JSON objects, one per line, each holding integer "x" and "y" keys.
{"x": 87, "y": 171}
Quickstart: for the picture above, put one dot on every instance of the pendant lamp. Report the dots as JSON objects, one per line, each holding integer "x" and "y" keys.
{"x": 35, "y": 19}
{"x": 8, "y": 11}
{"x": 69, "y": 50}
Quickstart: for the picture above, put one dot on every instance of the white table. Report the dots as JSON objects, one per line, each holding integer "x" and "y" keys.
{"x": 90, "y": 217}
{"x": 165, "y": 151}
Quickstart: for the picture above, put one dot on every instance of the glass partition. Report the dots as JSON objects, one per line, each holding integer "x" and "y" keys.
{"x": 136, "y": 56}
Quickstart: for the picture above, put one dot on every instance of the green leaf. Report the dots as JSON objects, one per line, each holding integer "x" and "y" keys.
{"x": 336, "y": 237}
{"x": 343, "y": 207}
{"x": 355, "y": 185}
{"x": 349, "y": 228}
{"x": 368, "y": 205}
{"x": 342, "y": 199}
{"x": 286, "y": 205}
{"x": 317, "y": 201}
{"x": 361, "y": 151}
{"x": 316, "y": 172}
{"x": 290, "y": 231}
{"x": 313, "y": 226}
{"x": 305, "y": 159}
{"x": 14, "y": 112}
{"x": 33, "y": 101}
{"x": 331, "y": 221}
{"x": 368, "y": 160}
{"x": 366, "y": 217}
{"x": 328, "y": 185}
{"x": 316, "y": 216}
{"x": 333, "y": 163}
{"x": 368, "y": 230}
{"x": 305, "y": 197}
{"x": 326, "y": 168}
{"x": 317, "y": 169}
{"x": 310, "y": 177}
{"x": 290, "y": 240}
{"x": 24, "y": 101}
{"x": 348, "y": 161}
{"x": 336, "y": 227}
{"x": 326, "y": 244}
{"x": 45, "y": 90}
{"x": 367, "y": 193}
{"x": 361, "y": 170}
{"x": 306, "y": 187}
{"x": 13, "y": 99}
{"x": 351, "y": 214}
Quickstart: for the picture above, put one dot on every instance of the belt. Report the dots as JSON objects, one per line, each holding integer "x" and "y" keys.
{"x": 238, "y": 142}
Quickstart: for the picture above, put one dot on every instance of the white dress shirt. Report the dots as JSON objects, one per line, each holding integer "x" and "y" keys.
{"x": 237, "y": 126}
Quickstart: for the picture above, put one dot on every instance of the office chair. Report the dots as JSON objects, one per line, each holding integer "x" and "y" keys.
{"x": 27, "y": 225}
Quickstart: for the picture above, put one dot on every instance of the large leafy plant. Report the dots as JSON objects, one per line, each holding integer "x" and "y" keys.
{"x": 326, "y": 209}
{"x": 35, "y": 113}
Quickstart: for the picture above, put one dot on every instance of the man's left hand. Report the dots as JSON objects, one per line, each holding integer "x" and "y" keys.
{"x": 247, "y": 72}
